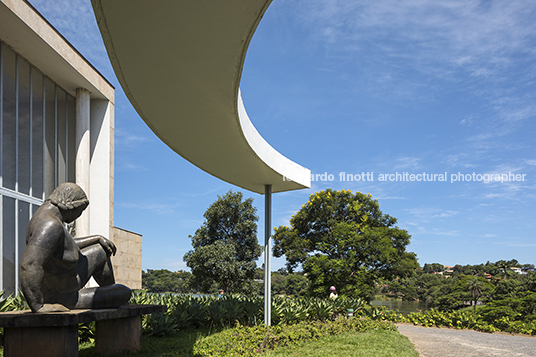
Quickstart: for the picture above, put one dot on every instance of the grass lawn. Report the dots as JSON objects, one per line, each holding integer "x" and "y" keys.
{"x": 378, "y": 343}
{"x": 179, "y": 344}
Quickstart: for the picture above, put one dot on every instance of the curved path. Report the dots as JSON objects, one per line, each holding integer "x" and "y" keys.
{"x": 444, "y": 342}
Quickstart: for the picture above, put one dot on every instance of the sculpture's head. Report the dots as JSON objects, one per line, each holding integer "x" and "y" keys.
{"x": 70, "y": 199}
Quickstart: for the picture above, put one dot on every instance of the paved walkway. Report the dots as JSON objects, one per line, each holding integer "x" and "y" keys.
{"x": 444, "y": 342}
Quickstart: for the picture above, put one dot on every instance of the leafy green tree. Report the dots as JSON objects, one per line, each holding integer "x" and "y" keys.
{"x": 296, "y": 284}
{"x": 455, "y": 292}
{"x": 343, "y": 239}
{"x": 503, "y": 265}
{"x": 512, "y": 263}
{"x": 515, "y": 286}
{"x": 278, "y": 283}
{"x": 226, "y": 246}
{"x": 433, "y": 268}
{"x": 163, "y": 280}
{"x": 475, "y": 286}
{"x": 521, "y": 308}
{"x": 527, "y": 266}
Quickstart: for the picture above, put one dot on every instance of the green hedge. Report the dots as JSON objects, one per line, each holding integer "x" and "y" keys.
{"x": 455, "y": 319}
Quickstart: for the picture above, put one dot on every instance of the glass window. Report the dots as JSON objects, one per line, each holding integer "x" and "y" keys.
{"x": 37, "y": 134}
{"x": 71, "y": 138}
{"x": 38, "y": 142}
{"x": 23, "y": 219}
{"x": 8, "y": 244}
{"x": 9, "y": 119}
{"x": 61, "y": 134}
{"x": 50, "y": 134}
{"x": 34, "y": 209}
{"x": 23, "y": 174}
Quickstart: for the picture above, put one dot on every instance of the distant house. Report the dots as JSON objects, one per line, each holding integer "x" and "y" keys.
{"x": 518, "y": 270}
{"x": 447, "y": 269}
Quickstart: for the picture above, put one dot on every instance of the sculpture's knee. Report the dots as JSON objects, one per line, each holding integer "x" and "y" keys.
{"x": 125, "y": 293}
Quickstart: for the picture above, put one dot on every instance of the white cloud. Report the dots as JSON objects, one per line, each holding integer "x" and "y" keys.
{"x": 159, "y": 208}
{"x": 468, "y": 120}
{"x": 435, "y": 231}
{"x": 407, "y": 163}
{"x": 427, "y": 214}
{"x": 455, "y": 32}
{"x": 124, "y": 140}
{"x": 130, "y": 166}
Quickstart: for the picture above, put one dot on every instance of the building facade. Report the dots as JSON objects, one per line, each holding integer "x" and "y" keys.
{"x": 56, "y": 125}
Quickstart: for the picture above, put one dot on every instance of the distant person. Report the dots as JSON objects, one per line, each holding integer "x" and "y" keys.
{"x": 220, "y": 293}
{"x": 333, "y": 293}
{"x": 55, "y": 266}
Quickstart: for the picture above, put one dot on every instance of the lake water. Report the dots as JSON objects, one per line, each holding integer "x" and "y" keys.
{"x": 404, "y": 307}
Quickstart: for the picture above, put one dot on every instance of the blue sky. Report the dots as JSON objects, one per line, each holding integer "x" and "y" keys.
{"x": 442, "y": 87}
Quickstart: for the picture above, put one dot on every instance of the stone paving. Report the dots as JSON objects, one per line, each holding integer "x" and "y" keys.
{"x": 444, "y": 342}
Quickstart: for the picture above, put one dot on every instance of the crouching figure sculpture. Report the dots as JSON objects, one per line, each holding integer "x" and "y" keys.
{"x": 55, "y": 266}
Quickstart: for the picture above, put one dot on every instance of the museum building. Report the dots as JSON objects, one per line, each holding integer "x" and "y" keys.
{"x": 56, "y": 125}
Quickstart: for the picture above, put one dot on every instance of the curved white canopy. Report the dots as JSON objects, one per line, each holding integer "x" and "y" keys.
{"x": 179, "y": 63}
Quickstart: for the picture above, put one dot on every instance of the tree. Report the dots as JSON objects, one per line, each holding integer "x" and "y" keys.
{"x": 503, "y": 265}
{"x": 475, "y": 286}
{"x": 296, "y": 284}
{"x": 226, "y": 246}
{"x": 510, "y": 288}
{"x": 454, "y": 293}
{"x": 433, "y": 268}
{"x": 163, "y": 280}
{"x": 343, "y": 239}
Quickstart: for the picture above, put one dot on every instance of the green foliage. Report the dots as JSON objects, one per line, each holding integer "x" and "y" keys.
{"x": 292, "y": 310}
{"x": 251, "y": 341}
{"x": 86, "y": 332}
{"x": 160, "y": 325}
{"x": 476, "y": 287}
{"x": 343, "y": 239}
{"x": 187, "y": 311}
{"x": 508, "y": 288}
{"x": 433, "y": 268}
{"x": 509, "y": 298}
{"x": 163, "y": 280}
{"x": 285, "y": 283}
{"x": 377, "y": 343}
{"x": 511, "y": 309}
{"x": 490, "y": 318}
{"x": 451, "y": 293}
{"x": 226, "y": 246}
{"x": 6, "y": 304}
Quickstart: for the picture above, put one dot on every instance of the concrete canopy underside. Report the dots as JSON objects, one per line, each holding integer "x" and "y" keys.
{"x": 180, "y": 63}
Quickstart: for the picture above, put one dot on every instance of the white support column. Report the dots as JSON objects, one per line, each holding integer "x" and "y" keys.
{"x": 82, "y": 153}
{"x": 267, "y": 254}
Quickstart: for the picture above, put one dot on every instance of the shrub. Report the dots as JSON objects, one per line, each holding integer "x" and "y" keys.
{"x": 251, "y": 341}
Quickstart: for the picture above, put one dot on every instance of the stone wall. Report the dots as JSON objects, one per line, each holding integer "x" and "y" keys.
{"x": 127, "y": 261}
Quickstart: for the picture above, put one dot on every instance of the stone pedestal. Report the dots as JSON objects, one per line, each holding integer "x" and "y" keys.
{"x": 41, "y": 341}
{"x": 116, "y": 335}
{"x": 56, "y": 334}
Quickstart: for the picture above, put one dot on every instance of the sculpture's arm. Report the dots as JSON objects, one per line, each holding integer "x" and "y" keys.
{"x": 107, "y": 244}
{"x": 41, "y": 245}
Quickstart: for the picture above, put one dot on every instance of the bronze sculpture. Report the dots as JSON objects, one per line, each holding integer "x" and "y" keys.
{"x": 55, "y": 266}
